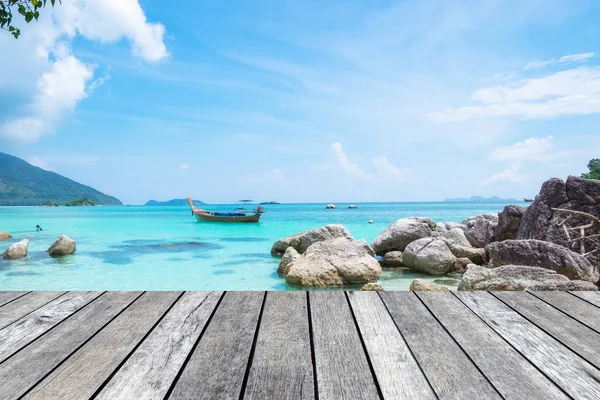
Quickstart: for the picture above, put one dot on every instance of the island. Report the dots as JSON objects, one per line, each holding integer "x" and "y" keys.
{"x": 81, "y": 202}
{"x": 479, "y": 199}
{"x": 173, "y": 202}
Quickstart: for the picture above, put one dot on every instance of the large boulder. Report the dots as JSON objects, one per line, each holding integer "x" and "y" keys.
{"x": 284, "y": 265}
{"x": 392, "y": 259}
{"x": 334, "y": 262}
{"x": 518, "y": 277}
{"x": 429, "y": 255}
{"x": 509, "y": 220}
{"x": 301, "y": 241}
{"x": 5, "y": 236}
{"x": 63, "y": 246}
{"x": 401, "y": 233}
{"x": 480, "y": 229}
{"x": 456, "y": 236}
{"x": 477, "y": 256}
{"x": 452, "y": 225}
{"x": 536, "y": 253}
{"x": 17, "y": 250}
{"x": 542, "y": 223}
{"x": 423, "y": 285}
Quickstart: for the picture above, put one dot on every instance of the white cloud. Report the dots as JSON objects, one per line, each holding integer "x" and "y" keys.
{"x": 532, "y": 149}
{"x": 387, "y": 168}
{"x": 344, "y": 162}
{"x": 509, "y": 175}
{"x": 184, "y": 167}
{"x": 570, "y": 59}
{"x": 38, "y": 162}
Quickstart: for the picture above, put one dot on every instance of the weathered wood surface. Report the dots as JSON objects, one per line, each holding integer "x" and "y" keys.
{"x": 590, "y": 297}
{"x": 342, "y": 367}
{"x": 397, "y": 371}
{"x": 282, "y": 365}
{"x": 217, "y": 367}
{"x": 451, "y": 373}
{"x": 7, "y": 297}
{"x": 24, "y": 305}
{"x": 571, "y": 305}
{"x": 511, "y": 374}
{"x": 569, "y": 371}
{"x": 82, "y": 374}
{"x": 26, "y": 368}
{"x": 152, "y": 368}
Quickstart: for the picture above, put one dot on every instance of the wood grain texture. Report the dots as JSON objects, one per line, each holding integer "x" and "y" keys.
{"x": 510, "y": 373}
{"x": 450, "y": 372}
{"x": 82, "y": 374}
{"x": 22, "y": 332}
{"x": 590, "y": 297}
{"x": 576, "y": 336}
{"x": 342, "y": 367}
{"x": 282, "y": 362}
{"x": 152, "y": 368}
{"x": 577, "y": 308}
{"x": 24, "y": 305}
{"x": 26, "y": 368}
{"x": 396, "y": 369}
{"x": 569, "y": 371}
{"x": 6, "y": 297}
{"x": 218, "y": 365}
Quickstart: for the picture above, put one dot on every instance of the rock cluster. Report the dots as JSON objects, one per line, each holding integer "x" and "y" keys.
{"x": 63, "y": 246}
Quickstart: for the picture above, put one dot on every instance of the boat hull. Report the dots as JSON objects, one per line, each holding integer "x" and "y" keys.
{"x": 218, "y": 218}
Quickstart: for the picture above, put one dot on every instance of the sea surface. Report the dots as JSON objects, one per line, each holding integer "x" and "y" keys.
{"x": 165, "y": 248}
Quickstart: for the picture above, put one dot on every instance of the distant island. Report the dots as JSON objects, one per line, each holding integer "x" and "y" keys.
{"x": 81, "y": 202}
{"x": 22, "y": 184}
{"x": 479, "y": 199}
{"x": 174, "y": 202}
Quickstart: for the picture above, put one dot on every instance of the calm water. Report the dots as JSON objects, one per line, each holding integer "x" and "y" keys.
{"x": 164, "y": 248}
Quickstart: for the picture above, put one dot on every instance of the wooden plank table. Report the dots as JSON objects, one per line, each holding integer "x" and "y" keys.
{"x": 299, "y": 345}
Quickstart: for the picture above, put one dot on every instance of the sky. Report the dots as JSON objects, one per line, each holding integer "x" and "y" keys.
{"x": 305, "y": 101}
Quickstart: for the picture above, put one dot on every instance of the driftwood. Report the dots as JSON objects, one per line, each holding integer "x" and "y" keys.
{"x": 581, "y": 229}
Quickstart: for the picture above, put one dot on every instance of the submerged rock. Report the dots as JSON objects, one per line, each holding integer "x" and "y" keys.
{"x": 5, "y": 236}
{"x": 301, "y": 241}
{"x": 392, "y": 259}
{"x": 372, "y": 287}
{"x": 17, "y": 250}
{"x": 423, "y": 285}
{"x": 401, "y": 233}
{"x": 429, "y": 255}
{"x": 63, "y": 246}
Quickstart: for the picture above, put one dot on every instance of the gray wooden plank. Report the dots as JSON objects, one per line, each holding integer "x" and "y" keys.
{"x": 577, "y": 308}
{"x": 510, "y": 373}
{"x": 282, "y": 362}
{"x": 22, "y": 332}
{"x": 342, "y": 367}
{"x": 24, "y": 305}
{"x": 24, "y": 370}
{"x": 451, "y": 373}
{"x": 397, "y": 371}
{"x": 590, "y": 297}
{"x": 149, "y": 372}
{"x": 569, "y": 371}
{"x": 6, "y": 297}
{"x": 218, "y": 365}
{"x": 82, "y": 374}
{"x": 576, "y": 336}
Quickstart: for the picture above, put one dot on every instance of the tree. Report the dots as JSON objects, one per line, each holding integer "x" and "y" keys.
{"x": 594, "y": 167}
{"x": 29, "y": 9}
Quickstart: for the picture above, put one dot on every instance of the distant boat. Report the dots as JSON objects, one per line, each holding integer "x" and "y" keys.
{"x": 330, "y": 206}
{"x": 528, "y": 200}
{"x": 352, "y": 206}
{"x": 269, "y": 202}
{"x": 237, "y": 214}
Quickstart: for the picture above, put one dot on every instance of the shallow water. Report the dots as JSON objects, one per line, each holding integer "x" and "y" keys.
{"x": 164, "y": 248}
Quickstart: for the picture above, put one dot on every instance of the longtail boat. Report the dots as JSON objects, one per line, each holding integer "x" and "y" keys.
{"x": 238, "y": 214}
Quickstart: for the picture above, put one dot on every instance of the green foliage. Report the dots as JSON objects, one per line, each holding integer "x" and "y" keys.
{"x": 50, "y": 204}
{"x": 29, "y": 9}
{"x": 80, "y": 202}
{"x": 594, "y": 167}
{"x": 22, "y": 184}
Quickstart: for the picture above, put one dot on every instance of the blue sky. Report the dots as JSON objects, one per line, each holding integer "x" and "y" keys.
{"x": 305, "y": 100}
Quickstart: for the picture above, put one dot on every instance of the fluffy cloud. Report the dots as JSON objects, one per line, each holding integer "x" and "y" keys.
{"x": 385, "y": 167}
{"x": 532, "y": 149}
{"x": 510, "y": 175}
{"x": 344, "y": 162}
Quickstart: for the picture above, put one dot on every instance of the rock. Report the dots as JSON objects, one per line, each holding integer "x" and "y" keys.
{"x": 423, "y": 285}
{"x": 518, "y": 277}
{"x": 457, "y": 236}
{"x": 452, "y": 225}
{"x": 429, "y": 255}
{"x": 440, "y": 228}
{"x": 392, "y": 259}
{"x": 366, "y": 246}
{"x": 290, "y": 255}
{"x": 542, "y": 223}
{"x": 401, "y": 233}
{"x": 477, "y": 256}
{"x": 536, "y": 253}
{"x": 508, "y": 223}
{"x": 63, "y": 246}
{"x": 462, "y": 263}
{"x": 301, "y": 241}
{"x": 371, "y": 287}
{"x": 330, "y": 206}
{"x": 333, "y": 262}
{"x": 5, "y": 236}
{"x": 17, "y": 250}
{"x": 480, "y": 229}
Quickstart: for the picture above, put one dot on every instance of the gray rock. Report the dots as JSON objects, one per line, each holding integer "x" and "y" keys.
{"x": 518, "y": 277}
{"x": 440, "y": 228}
{"x": 462, "y": 263}
{"x": 290, "y": 255}
{"x": 63, "y": 246}
{"x": 456, "y": 236}
{"x": 480, "y": 229}
{"x": 452, "y": 225}
{"x": 536, "y": 253}
{"x": 423, "y": 285}
{"x": 331, "y": 263}
{"x": 429, "y": 255}
{"x": 372, "y": 287}
{"x": 401, "y": 233}
{"x": 301, "y": 241}
{"x": 17, "y": 250}
{"x": 5, "y": 236}
{"x": 477, "y": 256}
{"x": 392, "y": 259}
{"x": 508, "y": 223}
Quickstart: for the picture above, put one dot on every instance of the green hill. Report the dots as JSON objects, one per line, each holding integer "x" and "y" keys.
{"x": 174, "y": 202}
{"x": 22, "y": 184}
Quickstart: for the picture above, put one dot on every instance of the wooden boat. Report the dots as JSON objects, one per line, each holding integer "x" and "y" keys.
{"x": 528, "y": 200}
{"x": 238, "y": 214}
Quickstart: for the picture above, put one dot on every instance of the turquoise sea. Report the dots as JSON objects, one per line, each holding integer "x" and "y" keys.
{"x": 165, "y": 248}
